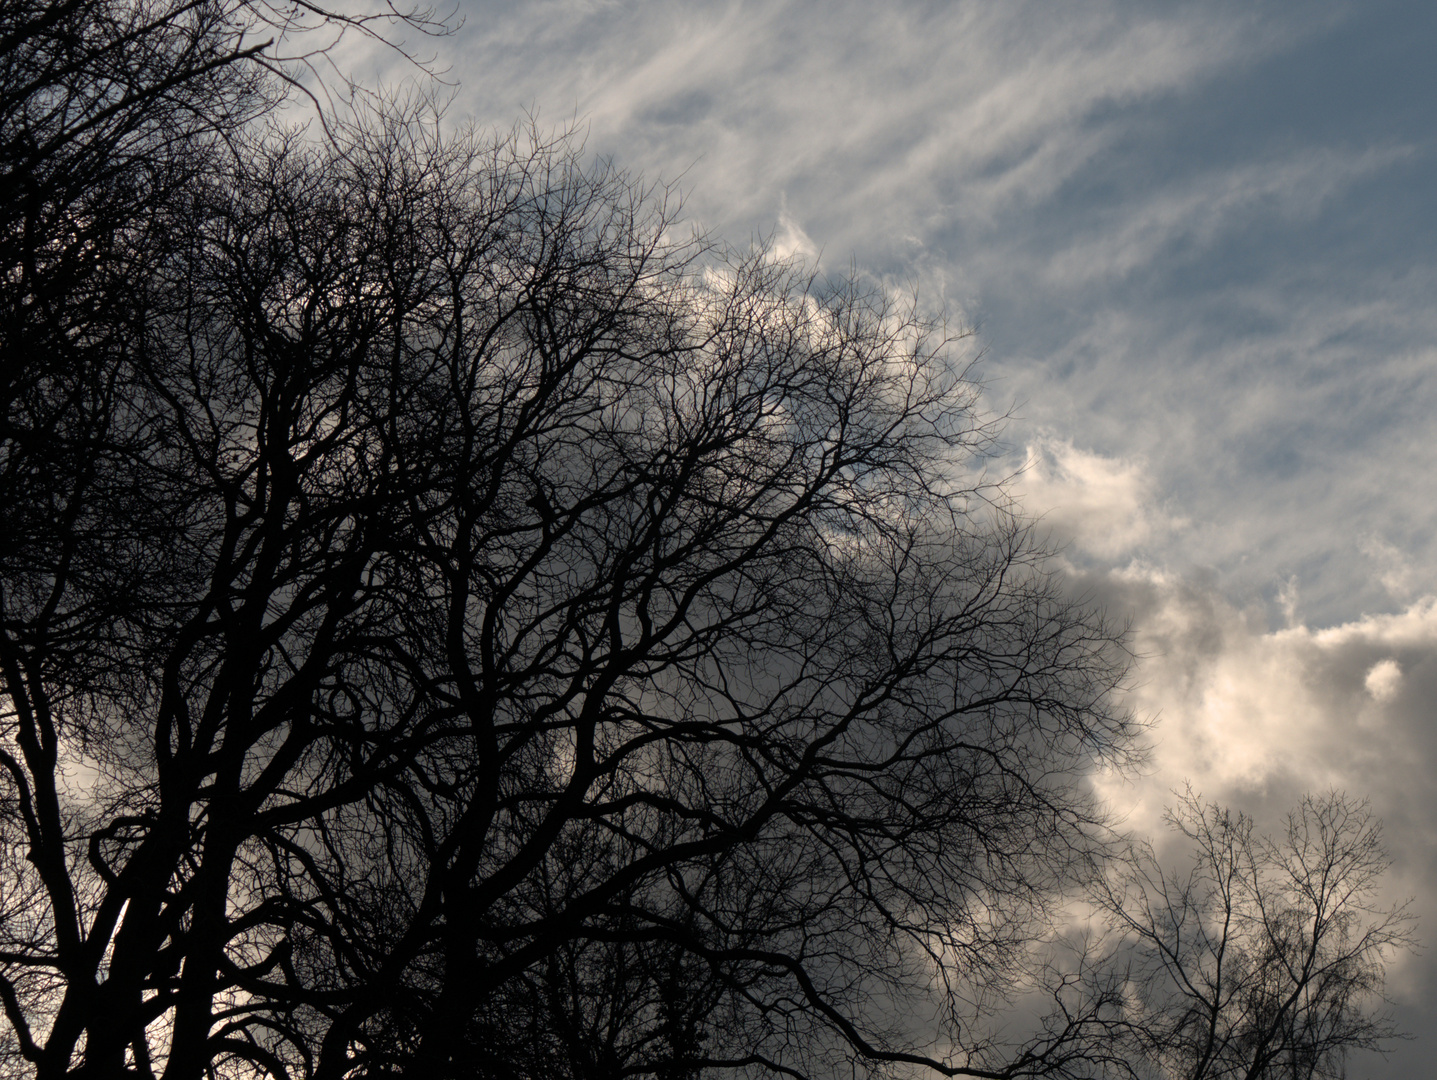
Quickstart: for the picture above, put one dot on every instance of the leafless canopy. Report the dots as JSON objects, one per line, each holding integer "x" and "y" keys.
{"x": 452, "y": 624}
{"x": 1266, "y": 958}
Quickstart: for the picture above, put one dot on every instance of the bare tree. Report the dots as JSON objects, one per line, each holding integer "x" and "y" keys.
{"x": 108, "y": 105}
{"x": 1265, "y": 960}
{"x": 442, "y": 605}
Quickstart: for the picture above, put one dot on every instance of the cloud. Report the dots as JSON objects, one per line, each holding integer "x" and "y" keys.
{"x": 876, "y": 123}
{"x": 1246, "y": 711}
{"x": 1250, "y": 713}
{"x": 1395, "y": 567}
{"x": 1198, "y": 213}
{"x": 1384, "y": 680}
{"x": 791, "y": 242}
{"x": 1102, "y": 506}
{"x": 1288, "y": 424}
{"x": 1254, "y": 717}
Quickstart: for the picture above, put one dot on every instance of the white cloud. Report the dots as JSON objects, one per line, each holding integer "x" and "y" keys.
{"x": 1244, "y": 711}
{"x": 1383, "y": 680}
{"x": 791, "y": 242}
{"x": 1254, "y": 718}
{"x": 1103, "y": 506}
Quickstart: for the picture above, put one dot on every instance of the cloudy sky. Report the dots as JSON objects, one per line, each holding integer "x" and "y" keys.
{"x": 1198, "y": 245}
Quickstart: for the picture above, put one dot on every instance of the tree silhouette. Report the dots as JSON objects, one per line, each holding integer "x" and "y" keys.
{"x": 454, "y": 625}
{"x": 1265, "y": 960}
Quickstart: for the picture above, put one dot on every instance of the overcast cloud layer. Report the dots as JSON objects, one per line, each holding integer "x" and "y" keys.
{"x": 1197, "y": 243}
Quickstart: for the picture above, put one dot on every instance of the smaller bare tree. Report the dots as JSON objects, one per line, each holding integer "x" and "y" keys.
{"x": 1266, "y": 959}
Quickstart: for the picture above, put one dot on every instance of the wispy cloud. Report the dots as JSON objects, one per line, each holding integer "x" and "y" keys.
{"x": 875, "y": 122}
{"x": 1195, "y": 214}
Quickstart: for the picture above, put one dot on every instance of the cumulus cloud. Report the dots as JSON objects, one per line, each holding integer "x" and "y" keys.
{"x": 1244, "y": 710}
{"x": 1384, "y": 680}
{"x": 1100, "y": 505}
{"x": 1250, "y": 710}
{"x": 1254, "y": 717}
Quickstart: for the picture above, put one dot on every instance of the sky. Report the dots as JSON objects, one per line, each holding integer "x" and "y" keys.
{"x": 1197, "y": 246}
